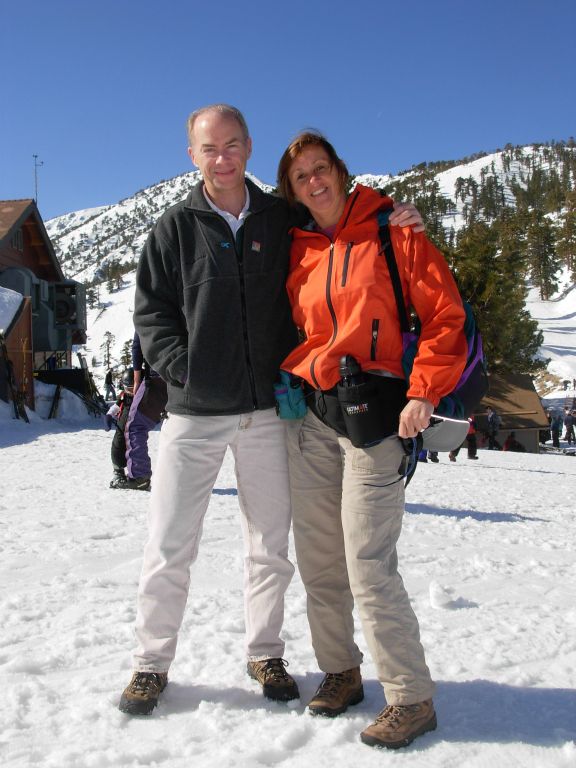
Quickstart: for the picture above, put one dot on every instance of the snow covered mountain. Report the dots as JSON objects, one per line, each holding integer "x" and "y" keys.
{"x": 101, "y": 246}
{"x": 87, "y": 241}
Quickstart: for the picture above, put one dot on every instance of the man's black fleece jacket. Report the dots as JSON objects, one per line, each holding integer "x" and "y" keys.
{"x": 212, "y": 311}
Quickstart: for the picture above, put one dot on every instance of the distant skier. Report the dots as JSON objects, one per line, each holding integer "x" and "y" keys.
{"x": 109, "y": 389}
{"x": 556, "y": 428}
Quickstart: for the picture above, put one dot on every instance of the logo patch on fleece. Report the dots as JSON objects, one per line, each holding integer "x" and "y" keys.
{"x": 256, "y": 246}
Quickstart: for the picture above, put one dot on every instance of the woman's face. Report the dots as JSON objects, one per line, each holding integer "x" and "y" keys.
{"x": 316, "y": 184}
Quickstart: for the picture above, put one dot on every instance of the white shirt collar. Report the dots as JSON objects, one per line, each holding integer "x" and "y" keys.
{"x": 235, "y": 223}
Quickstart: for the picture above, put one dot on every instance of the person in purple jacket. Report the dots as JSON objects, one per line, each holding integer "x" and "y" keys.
{"x": 146, "y": 411}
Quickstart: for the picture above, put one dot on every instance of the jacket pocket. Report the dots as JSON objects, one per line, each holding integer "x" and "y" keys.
{"x": 346, "y": 264}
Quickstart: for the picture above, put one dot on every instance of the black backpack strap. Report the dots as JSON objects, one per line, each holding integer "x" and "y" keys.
{"x": 412, "y": 446}
{"x": 384, "y": 233}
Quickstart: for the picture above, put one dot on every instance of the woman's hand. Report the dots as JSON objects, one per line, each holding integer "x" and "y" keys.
{"x": 406, "y": 215}
{"x": 415, "y": 417}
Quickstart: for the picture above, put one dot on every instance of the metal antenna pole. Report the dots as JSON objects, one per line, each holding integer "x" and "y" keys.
{"x": 36, "y": 166}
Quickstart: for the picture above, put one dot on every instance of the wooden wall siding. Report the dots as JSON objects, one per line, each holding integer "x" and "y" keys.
{"x": 19, "y": 346}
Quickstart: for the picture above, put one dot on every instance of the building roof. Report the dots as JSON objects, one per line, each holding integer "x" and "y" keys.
{"x": 10, "y": 306}
{"x": 515, "y": 400}
{"x": 15, "y": 214}
{"x": 11, "y": 213}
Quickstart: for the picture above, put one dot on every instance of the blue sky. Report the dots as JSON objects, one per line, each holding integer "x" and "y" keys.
{"x": 101, "y": 91}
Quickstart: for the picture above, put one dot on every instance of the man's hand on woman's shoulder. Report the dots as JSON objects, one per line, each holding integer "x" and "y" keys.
{"x": 407, "y": 215}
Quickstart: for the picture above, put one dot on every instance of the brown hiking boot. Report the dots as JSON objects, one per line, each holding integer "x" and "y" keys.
{"x": 141, "y": 696}
{"x": 397, "y": 726}
{"x": 276, "y": 683}
{"x": 337, "y": 692}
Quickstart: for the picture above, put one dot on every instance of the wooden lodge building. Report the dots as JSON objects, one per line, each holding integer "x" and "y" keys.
{"x": 516, "y": 401}
{"x": 51, "y": 315}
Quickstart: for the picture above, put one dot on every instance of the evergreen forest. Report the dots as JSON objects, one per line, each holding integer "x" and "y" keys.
{"x": 517, "y": 230}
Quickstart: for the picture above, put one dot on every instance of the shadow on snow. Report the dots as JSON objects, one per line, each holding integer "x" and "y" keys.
{"x": 481, "y": 517}
{"x": 472, "y": 711}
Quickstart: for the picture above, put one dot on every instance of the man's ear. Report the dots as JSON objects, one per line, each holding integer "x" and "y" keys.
{"x": 191, "y": 155}
{"x": 249, "y": 147}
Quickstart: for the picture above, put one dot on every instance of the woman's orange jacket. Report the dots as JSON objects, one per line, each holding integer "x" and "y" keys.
{"x": 342, "y": 299}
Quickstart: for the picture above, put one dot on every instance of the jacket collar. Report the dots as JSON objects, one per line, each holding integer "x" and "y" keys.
{"x": 259, "y": 200}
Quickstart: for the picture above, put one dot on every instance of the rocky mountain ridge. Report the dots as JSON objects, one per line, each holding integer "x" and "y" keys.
{"x": 90, "y": 241}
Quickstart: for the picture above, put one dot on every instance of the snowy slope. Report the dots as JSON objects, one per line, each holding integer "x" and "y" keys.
{"x": 557, "y": 318}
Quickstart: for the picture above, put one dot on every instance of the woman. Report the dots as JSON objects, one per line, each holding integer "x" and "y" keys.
{"x": 347, "y": 501}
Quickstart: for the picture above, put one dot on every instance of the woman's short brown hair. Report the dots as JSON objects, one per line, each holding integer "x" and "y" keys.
{"x": 303, "y": 140}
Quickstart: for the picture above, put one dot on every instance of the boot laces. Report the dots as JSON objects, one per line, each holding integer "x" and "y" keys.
{"x": 396, "y": 713}
{"x": 143, "y": 681}
{"x": 332, "y": 682}
{"x": 274, "y": 670}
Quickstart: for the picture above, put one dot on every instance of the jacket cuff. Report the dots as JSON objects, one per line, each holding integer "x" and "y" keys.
{"x": 414, "y": 392}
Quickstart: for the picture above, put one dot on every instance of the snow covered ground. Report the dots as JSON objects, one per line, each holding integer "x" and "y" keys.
{"x": 487, "y": 553}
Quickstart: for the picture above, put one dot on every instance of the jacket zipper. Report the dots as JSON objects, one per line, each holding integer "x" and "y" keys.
{"x": 375, "y": 327}
{"x": 240, "y": 261}
{"x": 328, "y": 293}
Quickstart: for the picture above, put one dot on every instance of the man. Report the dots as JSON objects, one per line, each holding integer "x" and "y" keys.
{"x": 556, "y": 428}
{"x": 214, "y": 320}
{"x": 109, "y": 391}
{"x": 471, "y": 442}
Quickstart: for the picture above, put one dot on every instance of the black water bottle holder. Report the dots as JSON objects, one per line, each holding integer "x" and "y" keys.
{"x": 371, "y": 409}
{"x": 364, "y": 413}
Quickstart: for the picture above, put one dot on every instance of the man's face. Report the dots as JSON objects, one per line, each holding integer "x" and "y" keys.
{"x": 221, "y": 152}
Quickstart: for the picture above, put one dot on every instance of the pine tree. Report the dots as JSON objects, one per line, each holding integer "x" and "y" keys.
{"x": 542, "y": 260}
{"x": 106, "y": 348}
{"x": 566, "y": 235}
{"x": 486, "y": 263}
{"x": 126, "y": 354}
{"x": 91, "y": 297}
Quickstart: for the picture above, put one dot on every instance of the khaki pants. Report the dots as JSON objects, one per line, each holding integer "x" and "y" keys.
{"x": 345, "y": 530}
{"x": 191, "y": 452}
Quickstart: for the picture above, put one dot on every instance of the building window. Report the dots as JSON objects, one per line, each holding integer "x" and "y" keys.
{"x": 17, "y": 241}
